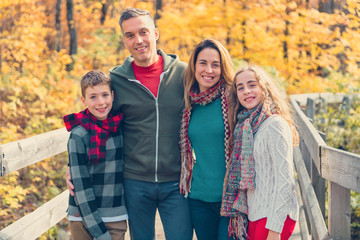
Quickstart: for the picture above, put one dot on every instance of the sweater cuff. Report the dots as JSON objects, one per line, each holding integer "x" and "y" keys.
{"x": 105, "y": 236}
{"x": 273, "y": 225}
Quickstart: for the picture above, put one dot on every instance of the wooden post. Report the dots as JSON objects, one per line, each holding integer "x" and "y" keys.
{"x": 339, "y": 211}
{"x": 306, "y": 155}
{"x": 318, "y": 183}
{"x": 319, "y": 187}
{"x": 346, "y": 104}
{"x": 310, "y": 109}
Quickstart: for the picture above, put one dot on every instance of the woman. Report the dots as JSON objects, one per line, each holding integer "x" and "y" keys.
{"x": 260, "y": 179}
{"x": 204, "y": 138}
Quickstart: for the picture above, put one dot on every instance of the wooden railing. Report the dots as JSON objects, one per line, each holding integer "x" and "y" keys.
{"x": 19, "y": 154}
{"x": 315, "y": 164}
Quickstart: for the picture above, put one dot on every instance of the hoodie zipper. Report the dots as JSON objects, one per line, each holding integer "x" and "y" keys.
{"x": 157, "y": 121}
{"x": 157, "y": 136}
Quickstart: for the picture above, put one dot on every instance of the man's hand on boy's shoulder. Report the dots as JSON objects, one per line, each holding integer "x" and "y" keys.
{"x": 69, "y": 184}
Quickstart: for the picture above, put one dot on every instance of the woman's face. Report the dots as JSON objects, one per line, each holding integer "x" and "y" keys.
{"x": 248, "y": 89}
{"x": 207, "y": 68}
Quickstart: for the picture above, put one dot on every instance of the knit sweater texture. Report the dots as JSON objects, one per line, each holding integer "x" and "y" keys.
{"x": 274, "y": 196}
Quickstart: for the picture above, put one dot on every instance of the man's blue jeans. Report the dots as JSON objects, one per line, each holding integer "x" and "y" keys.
{"x": 207, "y": 221}
{"x": 142, "y": 200}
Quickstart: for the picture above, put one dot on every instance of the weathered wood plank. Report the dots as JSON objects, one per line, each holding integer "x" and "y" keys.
{"x": 319, "y": 188}
{"x": 319, "y": 183}
{"x": 308, "y": 133}
{"x": 310, "y": 109}
{"x": 19, "y": 154}
{"x": 318, "y": 227}
{"x": 39, "y": 221}
{"x": 339, "y": 212}
{"x": 328, "y": 97}
{"x": 306, "y": 155}
{"x": 304, "y": 231}
{"x": 341, "y": 167}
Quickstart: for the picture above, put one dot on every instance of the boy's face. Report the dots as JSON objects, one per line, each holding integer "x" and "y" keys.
{"x": 98, "y": 100}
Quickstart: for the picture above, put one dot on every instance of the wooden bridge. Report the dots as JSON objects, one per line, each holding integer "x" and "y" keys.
{"x": 317, "y": 166}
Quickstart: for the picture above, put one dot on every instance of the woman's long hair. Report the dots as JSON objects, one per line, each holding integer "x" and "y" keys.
{"x": 227, "y": 72}
{"x": 270, "y": 90}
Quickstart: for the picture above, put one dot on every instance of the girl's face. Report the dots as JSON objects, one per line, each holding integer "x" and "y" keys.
{"x": 207, "y": 68}
{"x": 248, "y": 90}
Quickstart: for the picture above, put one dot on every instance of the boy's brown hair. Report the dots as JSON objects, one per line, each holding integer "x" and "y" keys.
{"x": 94, "y": 78}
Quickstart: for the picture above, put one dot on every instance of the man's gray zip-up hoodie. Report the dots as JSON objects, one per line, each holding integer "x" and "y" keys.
{"x": 151, "y": 125}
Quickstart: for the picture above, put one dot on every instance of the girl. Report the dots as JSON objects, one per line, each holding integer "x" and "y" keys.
{"x": 205, "y": 137}
{"x": 260, "y": 178}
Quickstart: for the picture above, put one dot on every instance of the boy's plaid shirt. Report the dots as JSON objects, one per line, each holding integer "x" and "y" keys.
{"x": 98, "y": 187}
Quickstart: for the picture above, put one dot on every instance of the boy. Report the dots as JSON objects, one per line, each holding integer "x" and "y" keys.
{"x": 97, "y": 209}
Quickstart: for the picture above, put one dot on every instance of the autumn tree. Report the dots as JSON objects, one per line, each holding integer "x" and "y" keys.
{"x": 158, "y": 8}
{"x": 58, "y": 25}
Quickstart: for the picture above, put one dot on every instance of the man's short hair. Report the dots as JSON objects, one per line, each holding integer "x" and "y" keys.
{"x": 94, "y": 78}
{"x": 134, "y": 12}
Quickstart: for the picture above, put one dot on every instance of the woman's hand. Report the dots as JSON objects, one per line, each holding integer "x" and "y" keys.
{"x": 69, "y": 184}
{"x": 273, "y": 235}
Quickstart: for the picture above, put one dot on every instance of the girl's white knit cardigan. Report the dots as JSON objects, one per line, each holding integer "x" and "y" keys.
{"x": 274, "y": 196}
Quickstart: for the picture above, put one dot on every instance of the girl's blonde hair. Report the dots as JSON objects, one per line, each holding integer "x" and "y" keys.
{"x": 270, "y": 90}
{"x": 227, "y": 72}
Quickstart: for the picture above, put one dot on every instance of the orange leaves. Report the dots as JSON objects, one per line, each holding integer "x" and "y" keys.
{"x": 304, "y": 44}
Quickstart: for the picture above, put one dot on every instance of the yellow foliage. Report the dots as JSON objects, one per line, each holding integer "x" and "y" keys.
{"x": 11, "y": 194}
{"x": 256, "y": 31}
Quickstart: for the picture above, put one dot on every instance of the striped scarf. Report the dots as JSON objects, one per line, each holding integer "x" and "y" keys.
{"x": 240, "y": 174}
{"x": 187, "y": 153}
{"x": 99, "y": 131}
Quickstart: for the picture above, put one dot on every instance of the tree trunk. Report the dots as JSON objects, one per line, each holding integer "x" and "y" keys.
{"x": 104, "y": 10}
{"x": 58, "y": 25}
{"x": 158, "y": 8}
{"x": 72, "y": 31}
{"x": 285, "y": 43}
{"x": 0, "y": 58}
{"x": 228, "y": 28}
{"x": 1, "y": 44}
{"x": 326, "y": 6}
{"x": 71, "y": 25}
{"x": 286, "y": 39}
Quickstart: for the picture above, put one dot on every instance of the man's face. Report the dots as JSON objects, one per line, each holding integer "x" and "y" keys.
{"x": 139, "y": 36}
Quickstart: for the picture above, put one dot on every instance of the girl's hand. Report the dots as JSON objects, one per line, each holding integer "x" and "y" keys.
{"x": 273, "y": 235}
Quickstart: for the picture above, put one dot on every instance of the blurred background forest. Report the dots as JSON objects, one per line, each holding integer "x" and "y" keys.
{"x": 47, "y": 45}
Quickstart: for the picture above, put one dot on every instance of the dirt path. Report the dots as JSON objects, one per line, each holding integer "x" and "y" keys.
{"x": 158, "y": 229}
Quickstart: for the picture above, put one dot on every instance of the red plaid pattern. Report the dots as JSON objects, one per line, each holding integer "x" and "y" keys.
{"x": 99, "y": 131}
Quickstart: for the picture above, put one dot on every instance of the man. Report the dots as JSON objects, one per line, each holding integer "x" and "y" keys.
{"x": 149, "y": 91}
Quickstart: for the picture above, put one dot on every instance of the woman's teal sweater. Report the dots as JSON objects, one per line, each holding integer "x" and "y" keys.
{"x": 206, "y": 133}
